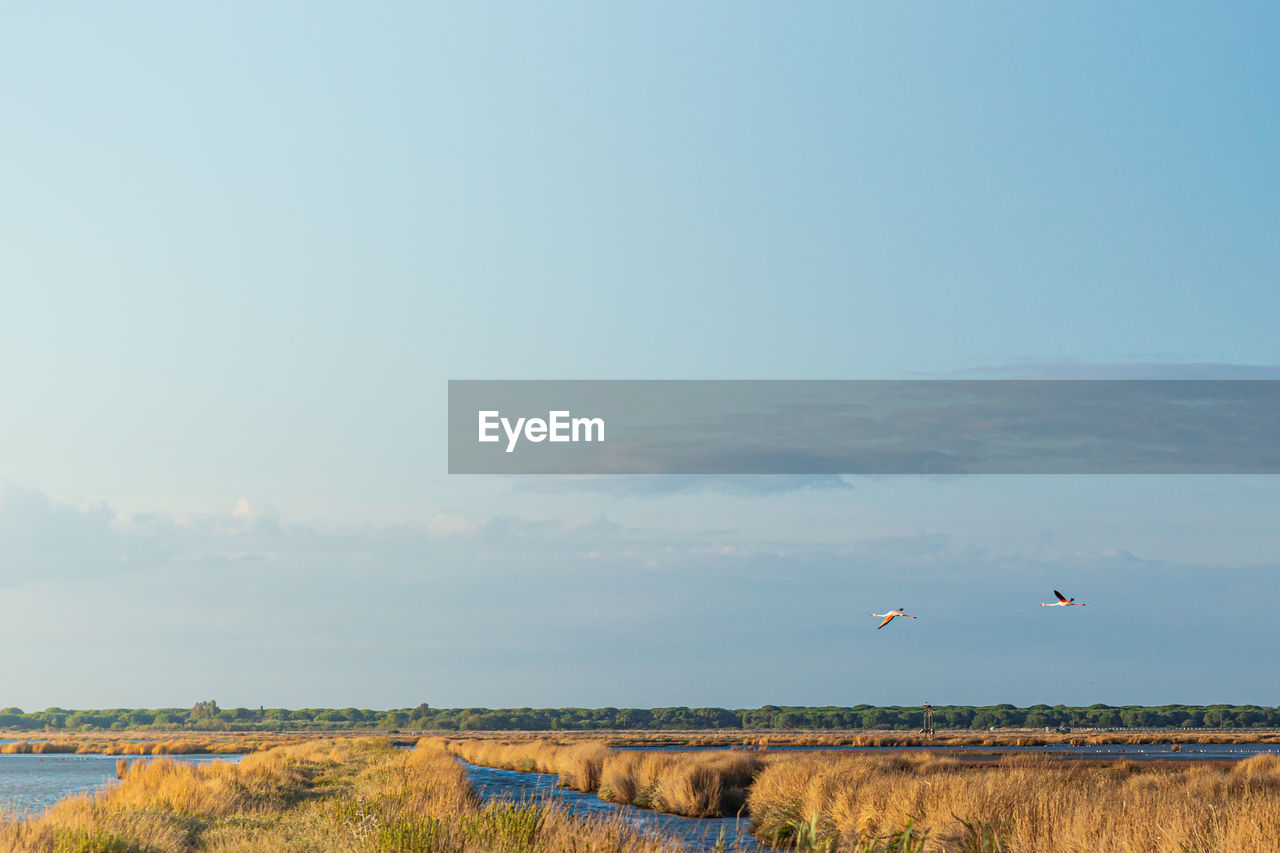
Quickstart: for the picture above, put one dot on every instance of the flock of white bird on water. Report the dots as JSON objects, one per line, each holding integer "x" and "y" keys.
{"x": 1062, "y": 601}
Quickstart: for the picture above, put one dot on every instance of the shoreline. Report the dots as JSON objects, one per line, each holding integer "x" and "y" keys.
{"x": 129, "y": 741}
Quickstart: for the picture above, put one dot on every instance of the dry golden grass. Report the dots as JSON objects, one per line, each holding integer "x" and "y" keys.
{"x": 360, "y": 794}
{"x": 119, "y": 745}
{"x": 703, "y": 784}
{"x": 320, "y": 796}
{"x": 1022, "y": 804}
{"x": 577, "y": 764}
{"x": 861, "y": 802}
{"x": 697, "y": 784}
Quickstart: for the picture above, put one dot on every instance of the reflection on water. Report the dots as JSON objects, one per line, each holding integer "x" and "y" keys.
{"x": 31, "y": 783}
{"x": 696, "y": 833}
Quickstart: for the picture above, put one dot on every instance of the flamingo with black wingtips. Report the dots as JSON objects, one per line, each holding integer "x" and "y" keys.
{"x": 1062, "y": 601}
{"x": 890, "y": 616}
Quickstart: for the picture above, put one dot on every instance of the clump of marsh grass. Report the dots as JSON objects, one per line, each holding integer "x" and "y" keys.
{"x": 38, "y": 747}
{"x": 1021, "y": 803}
{"x": 693, "y": 784}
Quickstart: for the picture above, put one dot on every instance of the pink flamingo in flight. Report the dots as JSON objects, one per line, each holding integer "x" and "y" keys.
{"x": 890, "y": 616}
{"x": 1062, "y": 601}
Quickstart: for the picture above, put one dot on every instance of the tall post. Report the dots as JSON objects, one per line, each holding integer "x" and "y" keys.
{"x": 928, "y": 720}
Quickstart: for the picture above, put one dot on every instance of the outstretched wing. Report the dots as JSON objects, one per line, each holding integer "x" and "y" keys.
{"x": 886, "y": 621}
{"x": 1061, "y": 597}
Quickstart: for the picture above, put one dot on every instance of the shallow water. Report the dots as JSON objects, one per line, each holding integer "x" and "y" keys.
{"x": 695, "y": 833}
{"x": 31, "y": 783}
{"x": 1133, "y": 751}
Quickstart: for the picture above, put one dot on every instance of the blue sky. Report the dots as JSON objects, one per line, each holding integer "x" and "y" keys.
{"x": 246, "y": 247}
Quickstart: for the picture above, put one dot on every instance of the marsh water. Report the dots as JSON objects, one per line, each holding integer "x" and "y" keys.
{"x": 31, "y": 783}
{"x": 695, "y": 833}
{"x": 1132, "y": 751}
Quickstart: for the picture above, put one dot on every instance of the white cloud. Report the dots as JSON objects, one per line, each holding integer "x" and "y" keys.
{"x": 448, "y": 524}
{"x": 476, "y": 605}
{"x": 243, "y": 510}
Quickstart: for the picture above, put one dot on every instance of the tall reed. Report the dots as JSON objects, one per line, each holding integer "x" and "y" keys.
{"x": 694, "y": 784}
{"x": 1022, "y": 804}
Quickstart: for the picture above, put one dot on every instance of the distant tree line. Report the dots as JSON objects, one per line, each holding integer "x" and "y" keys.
{"x": 207, "y": 716}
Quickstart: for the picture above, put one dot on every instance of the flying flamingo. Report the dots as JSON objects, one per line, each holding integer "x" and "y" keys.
{"x": 890, "y": 616}
{"x": 1062, "y": 601}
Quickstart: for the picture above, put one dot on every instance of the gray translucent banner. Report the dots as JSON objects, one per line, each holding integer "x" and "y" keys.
{"x": 865, "y": 427}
